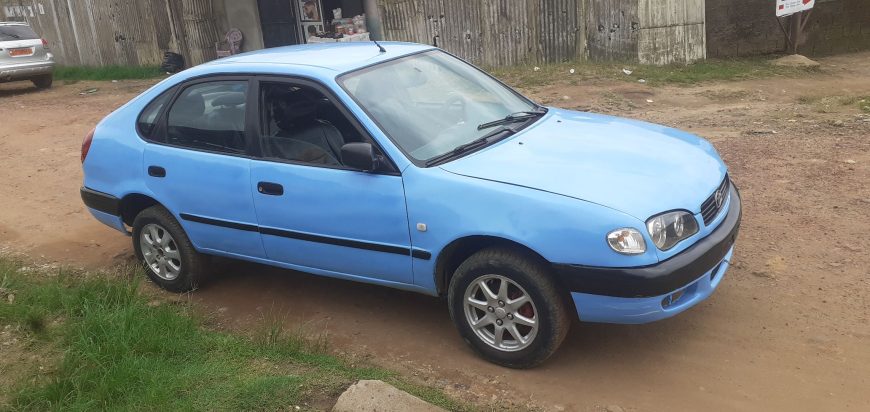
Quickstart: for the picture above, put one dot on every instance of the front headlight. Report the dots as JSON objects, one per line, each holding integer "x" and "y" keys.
{"x": 627, "y": 241}
{"x": 667, "y": 229}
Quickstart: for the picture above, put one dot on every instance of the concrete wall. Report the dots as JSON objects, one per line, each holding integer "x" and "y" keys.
{"x": 749, "y": 27}
{"x": 244, "y": 15}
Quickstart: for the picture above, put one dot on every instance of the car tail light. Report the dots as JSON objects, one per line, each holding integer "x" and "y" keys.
{"x": 86, "y": 144}
{"x": 44, "y": 43}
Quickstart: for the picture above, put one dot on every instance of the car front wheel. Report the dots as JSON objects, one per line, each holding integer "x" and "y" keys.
{"x": 162, "y": 246}
{"x": 507, "y": 307}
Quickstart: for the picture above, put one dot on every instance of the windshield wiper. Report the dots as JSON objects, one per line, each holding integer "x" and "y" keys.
{"x": 513, "y": 117}
{"x": 489, "y": 138}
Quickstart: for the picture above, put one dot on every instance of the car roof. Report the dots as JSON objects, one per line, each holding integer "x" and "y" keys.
{"x": 13, "y": 23}
{"x": 338, "y": 56}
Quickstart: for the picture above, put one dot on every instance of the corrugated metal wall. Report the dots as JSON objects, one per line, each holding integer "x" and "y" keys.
{"x": 115, "y": 32}
{"x": 507, "y": 32}
{"x": 485, "y": 32}
{"x": 671, "y": 31}
{"x": 613, "y": 29}
{"x": 491, "y": 32}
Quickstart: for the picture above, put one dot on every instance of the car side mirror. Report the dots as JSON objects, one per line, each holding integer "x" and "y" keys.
{"x": 360, "y": 156}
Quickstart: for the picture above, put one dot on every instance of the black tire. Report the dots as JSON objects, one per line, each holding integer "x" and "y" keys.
{"x": 552, "y": 312}
{"x": 43, "y": 82}
{"x": 192, "y": 263}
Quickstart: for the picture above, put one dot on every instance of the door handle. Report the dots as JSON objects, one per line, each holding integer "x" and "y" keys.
{"x": 156, "y": 171}
{"x": 271, "y": 189}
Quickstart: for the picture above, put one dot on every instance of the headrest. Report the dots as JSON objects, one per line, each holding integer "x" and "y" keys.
{"x": 229, "y": 99}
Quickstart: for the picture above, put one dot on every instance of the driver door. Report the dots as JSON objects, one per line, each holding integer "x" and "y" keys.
{"x": 313, "y": 212}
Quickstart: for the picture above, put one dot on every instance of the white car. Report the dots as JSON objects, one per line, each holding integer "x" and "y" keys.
{"x": 24, "y": 55}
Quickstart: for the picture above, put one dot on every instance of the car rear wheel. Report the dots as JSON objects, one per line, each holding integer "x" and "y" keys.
{"x": 43, "y": 82}
{"x": 165, "y": 250}
{"x": 508, "y": 308}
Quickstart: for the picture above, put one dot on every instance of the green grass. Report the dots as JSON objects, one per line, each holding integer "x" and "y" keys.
{"x": 118, "y": 349}
{"x": 78, "y": 73}
{"x": 702, "y": 71}
{"x": 829, "y": 104}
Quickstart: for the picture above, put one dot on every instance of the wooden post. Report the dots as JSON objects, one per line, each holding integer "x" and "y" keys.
{"x": 794, "y": 36}
{"x": 794, "y": 32}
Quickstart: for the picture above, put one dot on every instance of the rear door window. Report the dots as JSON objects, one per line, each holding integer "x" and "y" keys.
{"x": 16, "y": 32}
{"x": 210, "y": 116}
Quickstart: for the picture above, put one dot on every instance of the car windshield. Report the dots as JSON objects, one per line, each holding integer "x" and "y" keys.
{"x": 16, "y": 32}
{"x": 432, "y": 103}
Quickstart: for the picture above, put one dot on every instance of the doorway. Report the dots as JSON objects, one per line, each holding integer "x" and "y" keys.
{"x": 279, "y": 23}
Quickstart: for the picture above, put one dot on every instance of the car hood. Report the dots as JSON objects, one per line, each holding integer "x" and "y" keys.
{"x": 635, "y": 167}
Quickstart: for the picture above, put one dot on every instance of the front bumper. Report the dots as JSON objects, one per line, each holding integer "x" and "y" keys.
{"x": 645, "y": 294}
{"x": 26, "y": 71}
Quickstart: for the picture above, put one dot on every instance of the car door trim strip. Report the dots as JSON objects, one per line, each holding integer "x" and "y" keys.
{"x": 308, "y": 237}
{"x": 222, "y": 223}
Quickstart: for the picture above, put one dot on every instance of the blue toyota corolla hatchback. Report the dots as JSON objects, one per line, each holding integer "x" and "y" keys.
{"x": 402, "y": 165}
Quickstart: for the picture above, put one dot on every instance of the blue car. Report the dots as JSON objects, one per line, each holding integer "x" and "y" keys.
{"x": 401, "y": 165}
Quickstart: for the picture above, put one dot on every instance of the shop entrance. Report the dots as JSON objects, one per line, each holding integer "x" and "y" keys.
{"x": 287, "y": 22}
{"x": 279, "y": 23}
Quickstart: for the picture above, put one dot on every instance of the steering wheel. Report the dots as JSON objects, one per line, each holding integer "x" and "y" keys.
{"x": 455, "y": 104}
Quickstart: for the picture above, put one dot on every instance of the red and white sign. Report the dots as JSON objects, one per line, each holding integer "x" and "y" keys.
{"x": 789, "y": 7}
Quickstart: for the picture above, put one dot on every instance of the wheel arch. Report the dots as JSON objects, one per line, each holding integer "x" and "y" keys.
{"x": 134, "y": 203}
{"x": 457, "y": 251}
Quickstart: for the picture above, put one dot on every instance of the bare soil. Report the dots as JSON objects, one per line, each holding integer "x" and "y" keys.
{"x": 788, "y": 329}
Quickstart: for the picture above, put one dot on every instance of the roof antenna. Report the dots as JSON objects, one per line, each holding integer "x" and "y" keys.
{"x": 383, "y": 50}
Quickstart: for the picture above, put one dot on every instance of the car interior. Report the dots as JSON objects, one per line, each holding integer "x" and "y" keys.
{"x": 301, "y": 124}
{"x": 211, "y": 117}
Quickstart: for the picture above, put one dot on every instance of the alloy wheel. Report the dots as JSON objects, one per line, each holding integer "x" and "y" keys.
{"x": 501, "y": 313}
{"x": 160, "y": 251}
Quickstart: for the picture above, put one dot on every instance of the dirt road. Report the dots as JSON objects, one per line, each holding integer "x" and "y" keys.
{"x": 788, "y": 329}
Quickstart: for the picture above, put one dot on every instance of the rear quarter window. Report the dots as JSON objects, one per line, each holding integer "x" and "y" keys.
{"x": 16, "y": 32}
{"x": 147, "y": 121}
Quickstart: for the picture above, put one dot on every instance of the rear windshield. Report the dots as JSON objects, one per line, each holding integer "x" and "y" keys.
{"x": 16, "y": 32}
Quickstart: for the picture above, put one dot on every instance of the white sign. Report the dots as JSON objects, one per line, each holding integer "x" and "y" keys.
{"x": 789, "y": 7}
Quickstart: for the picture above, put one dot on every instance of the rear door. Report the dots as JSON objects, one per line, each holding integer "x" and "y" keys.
{"x": 20, "y": 44}
{"x": 199, "y": 165}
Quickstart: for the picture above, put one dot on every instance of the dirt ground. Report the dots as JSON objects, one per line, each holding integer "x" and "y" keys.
{"x": 788, "y": 329}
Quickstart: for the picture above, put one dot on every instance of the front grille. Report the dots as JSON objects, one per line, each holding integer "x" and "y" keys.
{"x": 713, "y": 205}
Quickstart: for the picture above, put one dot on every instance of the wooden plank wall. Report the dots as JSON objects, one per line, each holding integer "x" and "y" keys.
{"x": 112, "y": 32}
{"x": 491, "y": 32}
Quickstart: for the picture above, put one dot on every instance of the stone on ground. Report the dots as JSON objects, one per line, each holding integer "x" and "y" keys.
{"x": 795, "y": 60}
{"x": 377, "y": 396}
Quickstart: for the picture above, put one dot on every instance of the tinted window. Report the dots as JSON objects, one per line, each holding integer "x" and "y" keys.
{"x": 300, "y": 124}
{"x": 148, "y": 119}
{"x": 16, "y": 32}
{"x": 209, "y": 116}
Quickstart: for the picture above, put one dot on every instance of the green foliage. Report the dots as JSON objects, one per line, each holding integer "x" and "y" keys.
{"x": 122, "y": 351}
{"x": 702, "y": 71}
{"x": 77, "y": 73}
